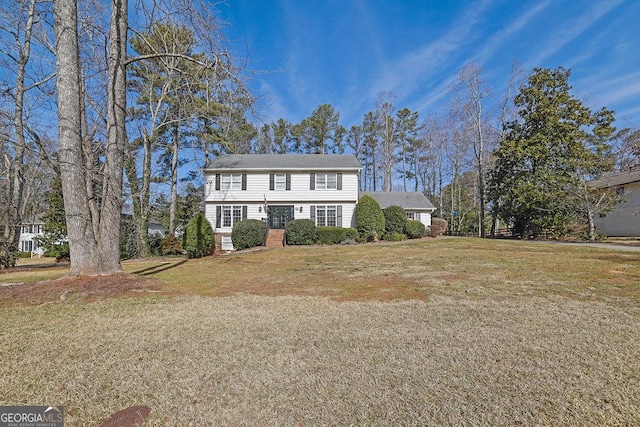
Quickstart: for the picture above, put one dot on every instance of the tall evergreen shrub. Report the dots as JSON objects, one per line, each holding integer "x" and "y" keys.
{"x": 369, "y": 219}
{"x": 198, "y": 238}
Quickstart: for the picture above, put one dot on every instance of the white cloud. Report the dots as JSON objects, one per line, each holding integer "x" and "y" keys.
{"x": 571, "y": 30}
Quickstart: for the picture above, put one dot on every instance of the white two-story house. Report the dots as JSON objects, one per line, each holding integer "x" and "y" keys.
{"x": 278, "y": 188}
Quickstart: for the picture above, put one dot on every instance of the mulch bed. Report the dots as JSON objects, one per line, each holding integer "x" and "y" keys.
{"x": 87, "y": 288}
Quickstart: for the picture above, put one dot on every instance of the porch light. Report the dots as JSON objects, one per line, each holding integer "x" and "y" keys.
{"x": 259, "y": 208}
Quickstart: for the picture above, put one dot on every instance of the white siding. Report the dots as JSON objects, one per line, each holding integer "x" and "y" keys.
{"x": 624, "y": 220}
{"x": 258, "y": 189}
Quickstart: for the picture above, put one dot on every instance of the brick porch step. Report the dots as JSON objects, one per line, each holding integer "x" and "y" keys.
{"x": 275, "y": 238}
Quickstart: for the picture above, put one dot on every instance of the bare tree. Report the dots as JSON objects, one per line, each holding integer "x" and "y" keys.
{"x": 22, "y": 30}
{"x": 469, "y": 95}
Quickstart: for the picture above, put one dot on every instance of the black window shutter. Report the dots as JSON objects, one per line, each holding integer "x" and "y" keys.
{"x": 313, "y": 214}
{"x": 339, "y": 181}
{"x": 244, "y": 182}
{"x": 244, "y": 212}
{"x": 217, "y": 182}
{"x": 339, "y": 216}
{"x": 272, "y": 185}
{"x": 288, "y": 182}
{"x": 218, "y": 216}
{"x": 312, "y": 182}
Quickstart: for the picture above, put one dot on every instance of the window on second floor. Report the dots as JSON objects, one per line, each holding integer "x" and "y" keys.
{"x": 231, "y": 181}
{"x": 280, "y": 181}
{"x": 326, "y": 181}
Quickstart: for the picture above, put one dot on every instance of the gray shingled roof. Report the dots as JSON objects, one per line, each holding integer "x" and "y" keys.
{"x": 407, "y": 200}
{"x": 616, "y": 179}
{"x": 285, "y": 161}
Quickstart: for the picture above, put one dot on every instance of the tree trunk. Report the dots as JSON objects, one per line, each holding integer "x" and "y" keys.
{"x": 16, "y": 168}
{"x": 109, "y": 242}
{"x": 82, "y": 241}
{"x": 173, "y": 202}
{"x": 140, "y": 194}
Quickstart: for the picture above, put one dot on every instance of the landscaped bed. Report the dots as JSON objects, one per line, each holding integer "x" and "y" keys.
{"x": 436, "y": 332}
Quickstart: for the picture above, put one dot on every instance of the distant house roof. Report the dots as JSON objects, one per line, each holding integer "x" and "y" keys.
{"x": 407, "y": 200}
{"x": 285, "y": 161}
{"x": 617, "y": 179}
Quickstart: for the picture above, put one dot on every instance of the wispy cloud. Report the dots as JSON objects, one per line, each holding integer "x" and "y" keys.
{"x": 502, "y": 37}
{"x": 572, "y": 30}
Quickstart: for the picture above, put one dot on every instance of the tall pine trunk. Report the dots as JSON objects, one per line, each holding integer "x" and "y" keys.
{"x": 82, "y": 241}
{"x": 111, "y": 215}
{"x": 173, "y": 202}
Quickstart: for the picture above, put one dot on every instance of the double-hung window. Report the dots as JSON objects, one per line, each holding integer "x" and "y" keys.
{"x": 327, "y": 215}
{"x": 280, "y": 181}
{"x": 228, "y": 215}
{"x": 326, "y": 181}
{"x": 232, "y": 181}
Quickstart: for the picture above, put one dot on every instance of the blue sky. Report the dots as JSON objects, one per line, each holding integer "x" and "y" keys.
{"x": 346, "y": 52}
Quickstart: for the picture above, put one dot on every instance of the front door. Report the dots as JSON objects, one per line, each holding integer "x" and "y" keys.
{"x": 279, "y": 216}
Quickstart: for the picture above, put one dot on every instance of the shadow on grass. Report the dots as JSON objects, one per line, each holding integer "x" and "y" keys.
{"x": 159, "y": 268}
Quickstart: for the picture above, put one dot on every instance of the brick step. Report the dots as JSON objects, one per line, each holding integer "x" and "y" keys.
{"x": 275, "y": 238}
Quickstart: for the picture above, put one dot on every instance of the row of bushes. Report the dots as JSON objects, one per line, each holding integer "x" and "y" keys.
{"x": 305, "y": 232}
{"x": 391, "y": 223}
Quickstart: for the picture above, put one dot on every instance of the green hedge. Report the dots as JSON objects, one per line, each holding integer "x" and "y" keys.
{"x": 249, "y": 233}
{"x": 301, "y": 232}
{"x": 335, "y": 235}
{"x": 414, "y": 229}
{"x": 394, "y": 237}
{"x": 395, "y": 219}
{"x": 369, "y": 219}
{"x": 198, "y": 238}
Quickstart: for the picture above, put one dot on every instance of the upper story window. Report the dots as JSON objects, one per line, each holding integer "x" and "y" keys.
{"x": 326, "y": 181}
{"x": 280, "y": 181}
{"x": 231, "y": 181}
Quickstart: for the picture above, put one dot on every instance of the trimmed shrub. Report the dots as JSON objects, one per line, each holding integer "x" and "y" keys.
{"x": 249, "y": 233}
{"x": 369, "y": 219}
{"x": 395, "y": 219}
{"x": 198, "y": 237}
{"x": 394, "y": 236}
{"x": 171, "y": 246}
{"x": 438, "y": 227}
{"x": 335, "y": 235}
{"x": 414, "y": 229}
{"x": 301, "y": 232}
{"x": 352, "y": 234}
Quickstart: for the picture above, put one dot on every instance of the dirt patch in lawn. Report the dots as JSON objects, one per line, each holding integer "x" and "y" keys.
{"x": 87, "y": 288}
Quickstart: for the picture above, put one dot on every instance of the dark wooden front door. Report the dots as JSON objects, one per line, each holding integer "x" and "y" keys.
{"x": 279, "y": 216}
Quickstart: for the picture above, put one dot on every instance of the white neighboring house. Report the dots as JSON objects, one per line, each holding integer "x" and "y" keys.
{"x": 29, "y": 231}
{"x": 624, "y": 219}
{"x": 277, "y": 188}
{"x": 415, "y": 204}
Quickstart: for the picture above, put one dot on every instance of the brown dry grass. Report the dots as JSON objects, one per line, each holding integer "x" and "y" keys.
{"x": 443, "y": 332}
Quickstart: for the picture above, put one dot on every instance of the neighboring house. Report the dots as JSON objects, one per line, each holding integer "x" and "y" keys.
{"x": 624, "y": 220}
{"x": 277, "y": 188}
{"x": 156, "y": 229}
{"x": 415, "y": 204}
{"x": 29, "y": 231}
